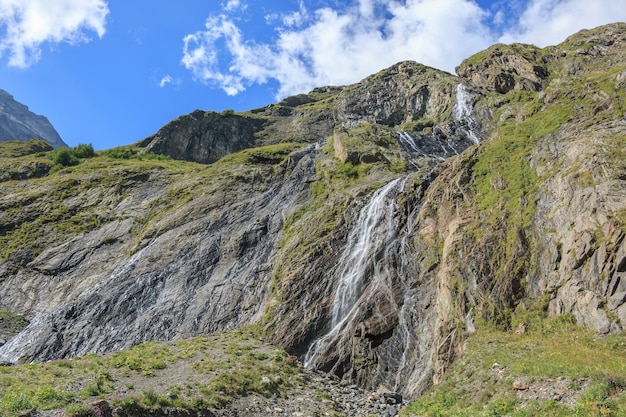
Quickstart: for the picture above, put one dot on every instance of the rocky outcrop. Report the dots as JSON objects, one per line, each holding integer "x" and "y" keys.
{"x": 403, "y": 93}
{"x": 503, "y": 68}
{"x": 407, "y": 95}
{"x": 377, "y": 223}
{"x": 203, "y": 136}
{"x": 19, "y": 123}
{"x": 204, "y": 269}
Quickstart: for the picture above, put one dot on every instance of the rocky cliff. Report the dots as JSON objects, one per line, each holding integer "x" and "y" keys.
{"x": 366, "y": 227}
{"x": 19, "y": 123}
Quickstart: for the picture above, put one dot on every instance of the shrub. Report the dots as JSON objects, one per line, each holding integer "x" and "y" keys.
{"x": 119, "y": 153}
{"x": 84, "y": 151}
{"x": 65, "y": 157}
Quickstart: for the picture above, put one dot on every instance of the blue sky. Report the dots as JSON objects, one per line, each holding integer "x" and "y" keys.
{"x": 112, "y": 72}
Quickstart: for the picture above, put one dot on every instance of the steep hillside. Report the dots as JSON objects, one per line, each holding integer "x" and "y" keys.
{"x": 19, "y": 123}
{"x": 370, "y": 229}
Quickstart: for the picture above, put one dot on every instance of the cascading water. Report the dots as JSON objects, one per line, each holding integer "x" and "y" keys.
{"x": 463, "y": 106}
{"x": 373, "y": 231}
{"x": 444, "y": 140}
{"x": 380, "y": 316}
{"x": 410, "y": 145}
{"x": 462, "y": 111}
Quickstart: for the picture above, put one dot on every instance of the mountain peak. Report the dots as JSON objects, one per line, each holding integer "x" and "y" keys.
{"x": 17, "y": 122}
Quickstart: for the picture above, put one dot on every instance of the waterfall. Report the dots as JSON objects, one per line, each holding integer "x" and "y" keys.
{"x": 463, "y": 106}
{"x": 446, "y": 139}
{"x": 373, "y": 230}
{"x": 462, "y": 111}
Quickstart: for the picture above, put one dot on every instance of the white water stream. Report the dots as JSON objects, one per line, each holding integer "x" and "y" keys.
{"x": 462, "y": 111}
{"x": 371, "y": 232}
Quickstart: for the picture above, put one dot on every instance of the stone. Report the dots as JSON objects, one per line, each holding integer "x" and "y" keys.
{"x": 392, "y": 411}
{"x": 520, "y": 386}
{"x": 521, "y": 328}
{"x": 616, "y": 300}
{"x": 17, "y": 122}
{"x": 102, "y": 408}
{"x": 204, "y": 137}
{"x": 392, "y": 398}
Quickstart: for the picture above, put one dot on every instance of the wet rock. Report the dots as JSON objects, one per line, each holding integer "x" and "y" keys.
{"x": 392, "y": 398}
{"x": 170, "y": 253}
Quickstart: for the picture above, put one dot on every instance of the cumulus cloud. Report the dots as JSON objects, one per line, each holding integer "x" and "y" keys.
{"x": 549, "y": 22}
{"x": 26, "y": 24}
{"x": 340, "y": 46}
{"x": 328, "y": 46}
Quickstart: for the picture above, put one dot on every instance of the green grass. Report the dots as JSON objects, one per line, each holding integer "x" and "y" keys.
{"x": 17, "y": 148}
{"x": 131, "y": 152}
{"x": 12, "y": 318}
{"x": 52, "y": 208}
{"x": 480, "y": 382}
{"x": 241, "y": 365}
{"x": 270, "y": 154}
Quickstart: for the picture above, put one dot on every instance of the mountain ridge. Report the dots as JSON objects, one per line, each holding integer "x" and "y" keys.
{"x": 533, "y": 215}
{"x": 17, "y": 122}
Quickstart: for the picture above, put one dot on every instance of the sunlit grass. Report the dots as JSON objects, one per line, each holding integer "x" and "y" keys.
{"x": 220, "y": 367}
{"x": 480, "y": 382}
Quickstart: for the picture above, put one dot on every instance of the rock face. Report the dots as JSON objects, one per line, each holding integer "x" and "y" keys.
{"x": 366, "y": 227}
{"x": 204, "y": 136}
{"x": 19, "y": 123}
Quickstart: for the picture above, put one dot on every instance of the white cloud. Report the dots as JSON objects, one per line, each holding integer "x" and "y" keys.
{"x": 336, "y": 46}
{"x": 330, "y": 46}
{"x": 232, "y": 5}
{"x": 297, "y": 18}
{"x": 549, "y": 22}
{"x": 165, "y": 81}
{"x": 26, "y": 24}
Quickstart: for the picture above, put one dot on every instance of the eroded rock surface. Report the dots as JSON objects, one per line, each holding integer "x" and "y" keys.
{"x": 531, "y": 211}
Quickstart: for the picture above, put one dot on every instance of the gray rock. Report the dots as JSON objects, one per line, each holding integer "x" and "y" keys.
{"x": 192, "y": 250}
{"x": 17, "y": 122}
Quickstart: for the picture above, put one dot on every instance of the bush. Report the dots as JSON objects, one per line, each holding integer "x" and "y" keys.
{"x": 119, "y": 153}
{"x": 65, "y": 157}
{"x": 84, "y": 151}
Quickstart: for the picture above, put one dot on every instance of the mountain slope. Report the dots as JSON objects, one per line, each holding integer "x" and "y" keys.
{"x": 368, "y": 227}
{"x": 19, "y": 123}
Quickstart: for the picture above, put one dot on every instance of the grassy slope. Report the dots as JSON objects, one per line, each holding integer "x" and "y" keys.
{"x": 551, "y": 368}
{"x": 190, "y": 374}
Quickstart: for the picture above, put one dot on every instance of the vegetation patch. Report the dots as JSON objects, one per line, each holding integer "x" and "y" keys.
{"x": 17, "y": 148}
{"x": 66, "y": 157}
{"x": 201, "y": 372}
{"x": 552, "y": 368}
{"x": 270, "y": 154}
